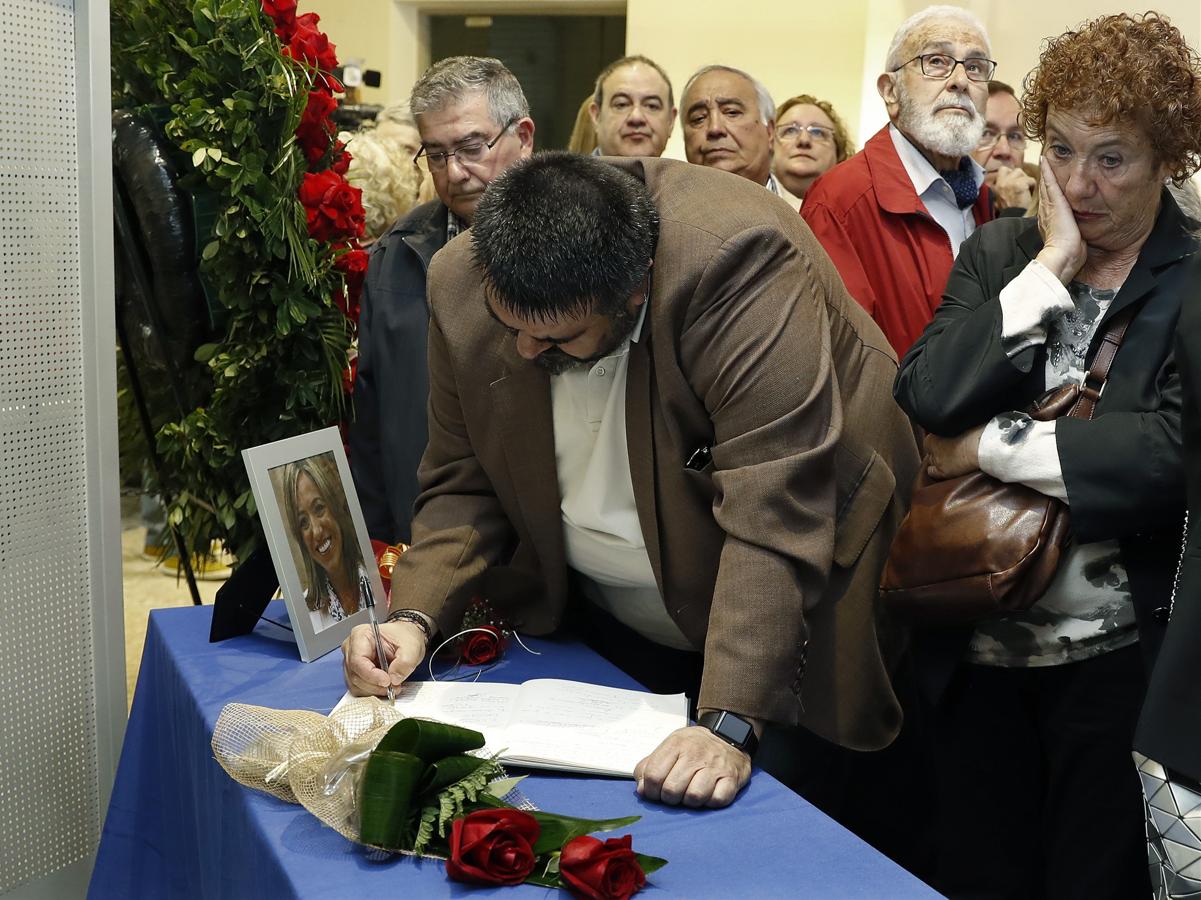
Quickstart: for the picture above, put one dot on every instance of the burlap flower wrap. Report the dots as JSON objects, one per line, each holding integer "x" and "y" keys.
{"x": 320, "y": 761}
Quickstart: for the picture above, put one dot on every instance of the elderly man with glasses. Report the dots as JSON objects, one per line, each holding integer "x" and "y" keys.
{"x": 892, "y": 217}
{"x": 1001, "y": 150}
{"x": 474, "y": 123}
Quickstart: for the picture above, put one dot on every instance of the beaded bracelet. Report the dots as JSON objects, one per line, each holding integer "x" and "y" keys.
{"x": 411, "y": 615}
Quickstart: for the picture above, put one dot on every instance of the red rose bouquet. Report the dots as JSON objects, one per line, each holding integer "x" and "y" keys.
{"x": 410, "y": 798}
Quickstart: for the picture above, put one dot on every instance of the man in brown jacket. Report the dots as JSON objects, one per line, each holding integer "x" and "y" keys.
{"x": 674, "y": 345}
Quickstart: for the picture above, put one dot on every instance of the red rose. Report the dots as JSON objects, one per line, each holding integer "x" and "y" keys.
{"x": 493, "y": 846}
{"x": 333, "y": 208}
{"x": 352, "y": 263}
{"x": 482, "y": 646}
{"x": 308, "y": 44}
{"x": 352, "y": 260}
{"x": 283, "y": 14}
{"x": 341, "y": 163}
{"x": 348, "y": 305}
{"x": 315, "y": 128}
{"x": 603, "y": 871}
{"x": 348, "y": 376}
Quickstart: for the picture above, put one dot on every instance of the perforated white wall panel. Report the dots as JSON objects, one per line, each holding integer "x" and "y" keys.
{"x": 49, "y": 773}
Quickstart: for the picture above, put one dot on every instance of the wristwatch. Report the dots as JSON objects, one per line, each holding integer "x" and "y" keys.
{"x": 734, "y": 730}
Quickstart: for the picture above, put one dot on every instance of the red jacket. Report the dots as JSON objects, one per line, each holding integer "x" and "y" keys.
{"x": 893, "y": 257}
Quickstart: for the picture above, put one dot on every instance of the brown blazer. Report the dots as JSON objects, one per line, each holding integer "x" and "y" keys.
{"x": 769, "y": 558}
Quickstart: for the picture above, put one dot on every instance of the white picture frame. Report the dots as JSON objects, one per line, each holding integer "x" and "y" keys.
{"x": 312, "y": 542}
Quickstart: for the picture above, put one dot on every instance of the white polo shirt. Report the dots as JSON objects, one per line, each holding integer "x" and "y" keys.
{"x": 601, "y": 533}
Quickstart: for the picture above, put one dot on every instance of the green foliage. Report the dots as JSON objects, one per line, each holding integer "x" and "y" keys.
{"x": 231, "y": 103}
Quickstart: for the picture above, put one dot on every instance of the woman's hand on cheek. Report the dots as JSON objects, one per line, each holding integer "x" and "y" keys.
{"x": 1064, "y": 251}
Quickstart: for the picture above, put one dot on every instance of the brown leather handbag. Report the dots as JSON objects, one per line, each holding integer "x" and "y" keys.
{"x": 974, "y": 547}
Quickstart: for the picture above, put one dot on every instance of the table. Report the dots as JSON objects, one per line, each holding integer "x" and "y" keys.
{"x": 178, "y": 826}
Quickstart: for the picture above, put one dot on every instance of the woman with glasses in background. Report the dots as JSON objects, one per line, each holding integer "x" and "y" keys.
{"x": 810, "y": 139}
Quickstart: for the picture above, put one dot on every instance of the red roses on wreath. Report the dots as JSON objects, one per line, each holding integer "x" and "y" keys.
{"x": 332, "y": 207}
{"x": 316, "y": 129}
{"x": 283, "y": 14}
{"x": 309, "y": 44}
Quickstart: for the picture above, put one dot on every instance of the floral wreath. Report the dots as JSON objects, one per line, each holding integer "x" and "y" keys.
{"x": 244, "y": 91}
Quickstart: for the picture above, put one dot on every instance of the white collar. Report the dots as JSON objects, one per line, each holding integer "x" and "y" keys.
{"x": 636, "y": 334}
{"x": 920, "y": 171}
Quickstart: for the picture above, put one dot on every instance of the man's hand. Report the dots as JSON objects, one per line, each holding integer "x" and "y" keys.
{"x": 695, "y": 767}
{"x": 952, "y": 457}
{"x": 1013, "y": 187}
{"x": 404, "y": 647}
{"x": 1064, "y": 251}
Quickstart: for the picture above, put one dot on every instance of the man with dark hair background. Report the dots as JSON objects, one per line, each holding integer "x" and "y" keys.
{"x": 633, "y": 108}
{"x": 676, "y": 430}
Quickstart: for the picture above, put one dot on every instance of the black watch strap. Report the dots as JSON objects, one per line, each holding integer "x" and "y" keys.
{"x": 733, "y": 729}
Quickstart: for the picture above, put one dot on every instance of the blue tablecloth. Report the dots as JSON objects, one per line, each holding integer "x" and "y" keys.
{"x": 178, "y": 826}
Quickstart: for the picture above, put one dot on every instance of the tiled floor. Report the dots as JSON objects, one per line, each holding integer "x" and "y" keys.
{"x": 147, "y": 586}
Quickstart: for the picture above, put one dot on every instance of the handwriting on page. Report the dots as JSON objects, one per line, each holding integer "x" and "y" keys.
{"x": 594, "y": 726}
{"x": 552, "y": 723}
{"x": 484, "y": 707}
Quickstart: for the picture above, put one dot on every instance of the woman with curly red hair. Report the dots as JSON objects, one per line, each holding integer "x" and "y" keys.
{"x": 1033, "y": 713}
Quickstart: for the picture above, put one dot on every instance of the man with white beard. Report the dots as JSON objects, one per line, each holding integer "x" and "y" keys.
{"x": 892, "y": 217}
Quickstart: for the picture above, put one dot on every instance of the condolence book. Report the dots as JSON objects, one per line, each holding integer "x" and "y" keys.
{"x": 549, "y": 723}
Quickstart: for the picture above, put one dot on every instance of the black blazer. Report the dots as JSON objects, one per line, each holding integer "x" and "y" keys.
{"x": 1123, "y": 468}
{"x": 1169, "y": 730}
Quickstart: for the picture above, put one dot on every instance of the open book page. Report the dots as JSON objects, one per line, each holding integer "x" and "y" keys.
{"x": 486, "y": 708}
{"x": 549, "y": 723}
{"x": 587, "y": 727}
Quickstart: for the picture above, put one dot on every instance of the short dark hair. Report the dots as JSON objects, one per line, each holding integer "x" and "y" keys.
{"x": 598, "y": 92}
{"x": 999, "y": 87}
{"x": 561, "y": 234}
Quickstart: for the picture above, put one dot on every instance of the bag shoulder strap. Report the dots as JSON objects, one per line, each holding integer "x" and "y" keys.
{"x": 1094, "y": 382}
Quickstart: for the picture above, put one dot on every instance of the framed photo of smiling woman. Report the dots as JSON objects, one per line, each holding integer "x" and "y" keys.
{"x": 314, "y": 527}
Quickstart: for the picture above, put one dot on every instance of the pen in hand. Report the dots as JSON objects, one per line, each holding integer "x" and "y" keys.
{"x": 368, "y": 600}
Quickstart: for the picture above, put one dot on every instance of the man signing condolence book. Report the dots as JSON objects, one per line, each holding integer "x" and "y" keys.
{"x": 655, "y": 410}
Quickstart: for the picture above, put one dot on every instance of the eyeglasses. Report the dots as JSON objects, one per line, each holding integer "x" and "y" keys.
{"x": 467, "y": 155}
{"x": 819, "y": 134}
{"x": 941, "y": 65}
{"x": 991, "y": 138}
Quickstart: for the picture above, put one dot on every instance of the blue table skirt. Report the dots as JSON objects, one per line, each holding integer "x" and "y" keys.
{"x": 178, "y": 826}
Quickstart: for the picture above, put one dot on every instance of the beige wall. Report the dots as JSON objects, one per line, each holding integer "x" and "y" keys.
{"x": 380, "y": 34}
{"x": 831, "y": 48}
{"x": 791, "y": 47}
